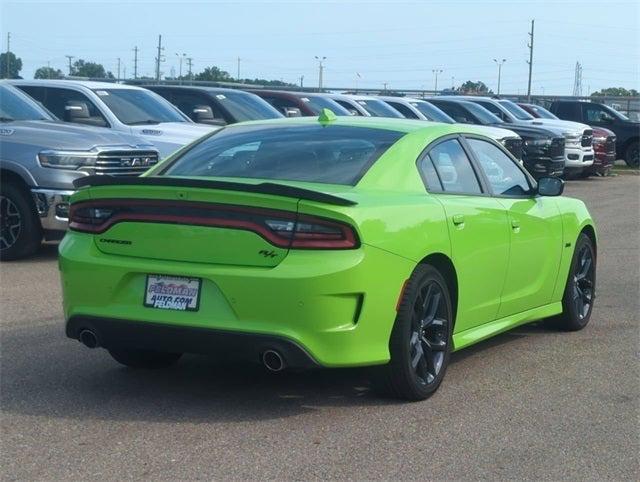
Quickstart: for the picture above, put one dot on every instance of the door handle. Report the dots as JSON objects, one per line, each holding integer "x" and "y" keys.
{"x": 458, "y": 219}
{"x": 515, "y": 224}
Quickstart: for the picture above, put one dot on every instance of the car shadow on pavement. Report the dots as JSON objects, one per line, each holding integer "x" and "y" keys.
{"x": 44, "y": 374}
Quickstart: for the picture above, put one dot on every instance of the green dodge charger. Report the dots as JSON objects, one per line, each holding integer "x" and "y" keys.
{"x": 325, "y": 242}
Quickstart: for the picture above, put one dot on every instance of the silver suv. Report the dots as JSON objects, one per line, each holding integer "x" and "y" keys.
{"x": 39, "y": 159}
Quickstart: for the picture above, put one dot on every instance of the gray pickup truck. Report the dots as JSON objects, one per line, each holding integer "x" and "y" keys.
{"x": 39, "y": 159}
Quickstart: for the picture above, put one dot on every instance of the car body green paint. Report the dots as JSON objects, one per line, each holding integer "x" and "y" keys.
{"x": 511, "y": 257}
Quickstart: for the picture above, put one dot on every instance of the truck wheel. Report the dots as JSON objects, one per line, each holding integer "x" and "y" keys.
{"x": 631, "y": 156}
{"x": 20, "y": 230}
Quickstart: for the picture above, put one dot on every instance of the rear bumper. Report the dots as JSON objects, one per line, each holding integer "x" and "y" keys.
{"x": 338, "y": 306}
{"x": 113, "y": 333}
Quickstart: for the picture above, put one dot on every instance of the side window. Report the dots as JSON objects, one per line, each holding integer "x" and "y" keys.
{"x": 429, "y": 174}
{"x": 72, "y": 106}
{"x": 281, "y": 104}
{"x": 403, "y": 109}
{"x": 454, "y": 169}
{"x": 352, "y": 110}
{"x": 595, "y": 113}
{"x": 505, "y": 177}
{"x": 493, "y": 109}
{"x": 454, "y": 111}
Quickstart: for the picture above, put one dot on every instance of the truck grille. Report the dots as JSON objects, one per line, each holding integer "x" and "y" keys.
{"x": 610, "y": 145}
{"x": 514, "y": 146}
{"x": 556, "y": 149}
{"x": 124, "y": 163}
{"x": 587, "y": 138}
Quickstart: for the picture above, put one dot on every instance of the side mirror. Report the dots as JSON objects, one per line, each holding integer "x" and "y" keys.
{"x": 460, "y": 119}
{"x": 76, "y": 110}
{"x": 550, "y": 186}
{"x": 203, "y": 114}
{"x": 292, "y": 112}
{"x": 606, "y": 119}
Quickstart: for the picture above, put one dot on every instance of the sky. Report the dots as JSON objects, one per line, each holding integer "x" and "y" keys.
{"x": 366, "y": 43}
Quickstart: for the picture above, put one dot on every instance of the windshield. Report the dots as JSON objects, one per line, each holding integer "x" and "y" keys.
{"x": 542, "y": 112}
{"x": 515, "y": 110}
{"x": 312, "y": 153}
{"x": 317, "y": 103}
{"x": 483, "y": 115}
{"x": 135, "y": 107}
{"x": 245, "y": 107}
{"x": 431, "y": 112}
{"x": 16, "y": 106}
{"x": 377, "y": 108}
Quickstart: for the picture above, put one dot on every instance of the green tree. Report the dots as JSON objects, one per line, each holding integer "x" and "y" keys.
{"x": 214, "y": 74}
{"x": 48, "y": 73}
{"x": 616, "y": 91}
{"x": 83, "y": 68}
{"x": 470, "y": 87}
{"x": 14, "y": 66}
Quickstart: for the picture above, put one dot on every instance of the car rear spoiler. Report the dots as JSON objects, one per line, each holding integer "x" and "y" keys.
{"x": 262, "y": 188}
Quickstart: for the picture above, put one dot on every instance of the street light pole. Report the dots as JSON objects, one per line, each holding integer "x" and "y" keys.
{"x": 320, "y": 70}
{"x": 499, "y": 64}
{"x": 436, "y": 72}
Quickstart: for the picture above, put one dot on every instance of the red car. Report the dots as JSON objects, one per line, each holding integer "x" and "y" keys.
{"x": 604, "y": 142}
{"x": 296, "y": 104}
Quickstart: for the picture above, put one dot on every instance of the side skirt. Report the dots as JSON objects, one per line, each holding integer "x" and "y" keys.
{"x": 487, "y": 330}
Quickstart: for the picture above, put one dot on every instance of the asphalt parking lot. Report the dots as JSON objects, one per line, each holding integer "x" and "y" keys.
{"x": 533, "y": 403}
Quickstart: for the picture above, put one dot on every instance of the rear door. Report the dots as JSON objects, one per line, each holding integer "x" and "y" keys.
{"x": 478, "y": 228}
{"x": 535, "y": 229}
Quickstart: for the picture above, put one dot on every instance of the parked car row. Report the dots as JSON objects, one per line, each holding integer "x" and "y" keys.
{"x": 65, "y": 129}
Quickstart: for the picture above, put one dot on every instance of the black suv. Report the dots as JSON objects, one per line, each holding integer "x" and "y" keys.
{"x": 542, "y": 148}
{"x": 216, "y": 106}
{"x": 627, "y": 131}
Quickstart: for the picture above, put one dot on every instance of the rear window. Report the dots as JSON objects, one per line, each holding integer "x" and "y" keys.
{"x": 316, "y": 153}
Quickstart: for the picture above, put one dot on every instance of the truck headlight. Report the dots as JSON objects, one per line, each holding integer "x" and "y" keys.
{"x": 67, "y": 159}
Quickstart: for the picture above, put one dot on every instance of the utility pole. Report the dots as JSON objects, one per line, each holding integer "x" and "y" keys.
{"x": 320, "y": 71}
{"x": 577, "y": 81}
{"x": 180, "y": 57}
{"x": 135, "y": 62}
{"x": 301, "y": 81}
{"x": 159, "y": 58}
{"x": 118, "y": 79}
{"x": 238, "y": 77}
{"x": 436, "y": 72}
{"x": 453, "y": 83}
{"x": 8, "y": 56}
{"x": 530, "y": 62}
{"x": 189, "y": 63}
{"x": 70, "y": 57}
{"x": 499, "y": 64}
{"x": 385, "y": 86}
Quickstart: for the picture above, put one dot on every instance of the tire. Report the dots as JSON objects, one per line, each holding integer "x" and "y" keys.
{"x": 144, "y": 358}
{"x": 631, "y": 155}
{"x": 579, "y": 292}
{"x": 20, "y": 229}
{"x": 421, "y": 339}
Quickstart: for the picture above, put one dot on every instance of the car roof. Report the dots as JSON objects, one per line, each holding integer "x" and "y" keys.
{"x": 89, "y": 84}
{"x": 203, "y": 88}
{"x": 384, "y": 123}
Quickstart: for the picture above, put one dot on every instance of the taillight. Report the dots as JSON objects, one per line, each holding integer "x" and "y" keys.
{"x": 310, "y": 232}
{"x": 281, "y": 228}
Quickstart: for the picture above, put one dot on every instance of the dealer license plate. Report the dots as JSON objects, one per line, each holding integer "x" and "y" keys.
{"x": 172, "y": 292}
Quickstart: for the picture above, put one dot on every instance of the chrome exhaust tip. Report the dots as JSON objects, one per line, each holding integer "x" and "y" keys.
{"x": 273, "y": 361}
{"x": 88, "y": 338}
